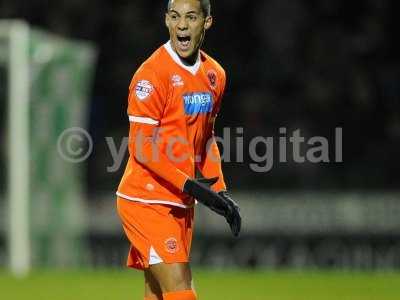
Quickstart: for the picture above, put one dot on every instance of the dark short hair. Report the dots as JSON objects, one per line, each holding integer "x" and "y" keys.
{"x": 205, "y": 7}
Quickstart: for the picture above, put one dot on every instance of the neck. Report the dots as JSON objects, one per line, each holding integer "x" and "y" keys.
{"x": 191, "y": 60}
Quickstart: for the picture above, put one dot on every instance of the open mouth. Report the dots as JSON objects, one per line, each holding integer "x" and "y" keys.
{"x": 183, "y": 42}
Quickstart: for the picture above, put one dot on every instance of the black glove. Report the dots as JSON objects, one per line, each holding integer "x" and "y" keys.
{"x": 220, "y": 203}
{"x": 232, "y": 214}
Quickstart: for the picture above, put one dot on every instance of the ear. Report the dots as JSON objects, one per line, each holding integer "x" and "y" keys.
{"x": 167, "y": 20}
{"x": 208, "y": 22}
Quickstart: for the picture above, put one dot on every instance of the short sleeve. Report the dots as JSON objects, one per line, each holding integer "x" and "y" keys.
{"x": 147, "y": 97}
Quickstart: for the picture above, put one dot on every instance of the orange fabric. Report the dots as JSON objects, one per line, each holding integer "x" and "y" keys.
{"x": 161, "y": 91}
{"x": 180, "y": 295}
{"x": 168, "y": 229}
{"x": 210, "y": 167}
{"x": 144, "y": 150}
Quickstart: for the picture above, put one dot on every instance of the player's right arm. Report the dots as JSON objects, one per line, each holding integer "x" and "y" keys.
{"x": 146, "y": 103}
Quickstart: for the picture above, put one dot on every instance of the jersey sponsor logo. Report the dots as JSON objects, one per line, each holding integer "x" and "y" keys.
{"x": 212, "y": 77}
{"x": 177, "y": 80}
{"x": 171, "y": 245}
{"x": 143, "y": 89}
{"x": 198, "y": 103}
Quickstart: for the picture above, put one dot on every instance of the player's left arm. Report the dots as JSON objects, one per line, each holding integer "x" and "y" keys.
{"x": 210, "y": 166}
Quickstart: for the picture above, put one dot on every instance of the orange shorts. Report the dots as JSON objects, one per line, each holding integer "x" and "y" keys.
{"x": 157, "y": 233}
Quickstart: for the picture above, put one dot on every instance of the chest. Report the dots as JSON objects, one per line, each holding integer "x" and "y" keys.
{"x": 192, "y": 97}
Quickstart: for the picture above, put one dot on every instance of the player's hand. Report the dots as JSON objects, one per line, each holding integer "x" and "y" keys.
{"x": 220, "y": 203}
{"x": 232, "y": 214}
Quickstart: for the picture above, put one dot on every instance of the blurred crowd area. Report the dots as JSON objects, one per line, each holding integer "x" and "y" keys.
{"x": 311, "y": 65}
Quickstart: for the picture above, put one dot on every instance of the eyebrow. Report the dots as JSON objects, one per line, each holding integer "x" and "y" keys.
{"x": 189, "y": 12}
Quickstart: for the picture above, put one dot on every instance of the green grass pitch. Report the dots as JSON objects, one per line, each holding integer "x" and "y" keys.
{"x": 210, "y": 285}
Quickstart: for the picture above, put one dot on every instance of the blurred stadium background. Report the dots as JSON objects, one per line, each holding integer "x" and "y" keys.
{"x": 309, "y": 65}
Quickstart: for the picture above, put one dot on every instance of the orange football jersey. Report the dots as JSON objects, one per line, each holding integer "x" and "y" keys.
{"x": 174, "y": 106}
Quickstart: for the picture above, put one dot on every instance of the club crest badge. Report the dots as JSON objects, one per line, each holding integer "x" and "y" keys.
{"x": 143, "y": 89}
{"x": 212, "y": 78}
{"x": 171, "y": 245}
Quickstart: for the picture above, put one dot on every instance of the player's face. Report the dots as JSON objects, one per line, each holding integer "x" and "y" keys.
{"x": 187, "y": 25}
